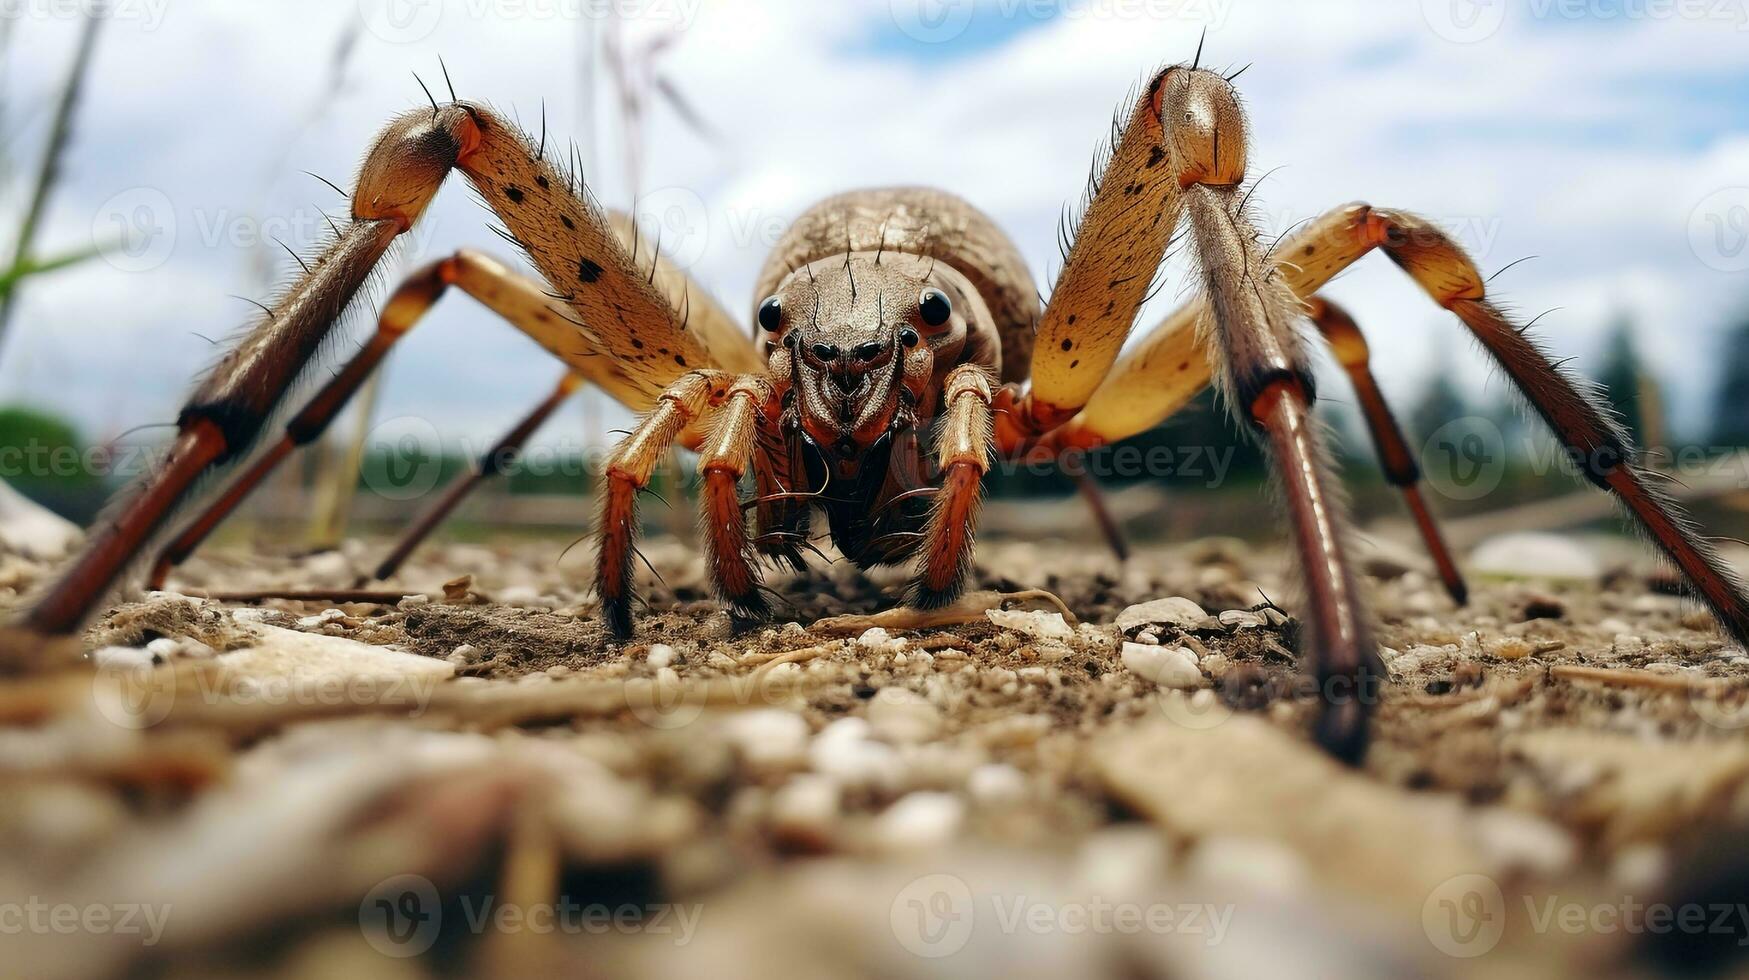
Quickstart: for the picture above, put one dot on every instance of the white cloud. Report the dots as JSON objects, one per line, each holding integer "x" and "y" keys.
{"x": 1543, "y": 139}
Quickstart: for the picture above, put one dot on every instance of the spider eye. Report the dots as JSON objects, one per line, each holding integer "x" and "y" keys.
{"x": 934, "y": 307}
{"x": 771, "y": 314}
{"x": 909, "y": 338}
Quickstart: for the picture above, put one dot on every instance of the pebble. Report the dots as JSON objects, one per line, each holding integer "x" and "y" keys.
{"x": 464, "y": 655}
{"x": 1240, "y": 619}
{"x": 329, "y": 566}
{"x": 251, "y": 615}
{"x": 769, "y": 739}
{"x": 122, "y": 658}
{"x": 660, "y": 655}
{"x": 879, "y": 640}
{"x": 413, "y": 601}
{"x": 844, "y": 751}
{"x": 1521, "y": 841}
{"x": 1257, "y": 864}
{"x": 901, "y": 716}
{"x": 1034, "y": 623}
{"x": 806, "y": 807}
{"x": 996, "y": 784}
{"x": 1173, "y": 667}
{"x": 920, "y": 820}
{"x": 1170, "y": 611}
{"x": 1639, "y": 867}
{"x": 1536, "y": 555}
{"x": 321, "y": 619}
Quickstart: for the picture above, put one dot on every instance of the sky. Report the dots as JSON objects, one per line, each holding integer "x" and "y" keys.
{"x": 1609, "y": 138}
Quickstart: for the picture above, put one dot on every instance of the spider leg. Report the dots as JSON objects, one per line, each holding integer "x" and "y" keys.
{"x": 221, "y": 419}
{"x": 517, "y": 299}
{"x": 628, "y": 471}
{"x": 621, "y": 311}
{"x": 492, "y": 462}
{"x": 1398, "y": 463}
{"x": 722, "y": 462}
{"x": 1255, "y": 322}
{"x": 1170, "y": 365}
{"x": 962, "y": 453}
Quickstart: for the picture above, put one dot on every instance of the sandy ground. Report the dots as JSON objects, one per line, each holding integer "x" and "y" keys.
{"x": 473, "y": 780}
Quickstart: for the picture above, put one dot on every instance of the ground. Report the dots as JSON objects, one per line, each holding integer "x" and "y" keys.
{"x": 465, "y": 766}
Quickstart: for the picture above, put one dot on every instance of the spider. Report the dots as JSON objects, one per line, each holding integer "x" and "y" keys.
{"x": 901, "y": 347}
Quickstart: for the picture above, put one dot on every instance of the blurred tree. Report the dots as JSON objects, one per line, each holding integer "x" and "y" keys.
{"x": 1730, "y": 413}
{"x": 1441, "y": 403}
{"x": 1622, "y": 377}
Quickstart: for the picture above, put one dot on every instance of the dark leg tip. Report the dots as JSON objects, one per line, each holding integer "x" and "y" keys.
{"x": 1342, "y": 730}
{"x": 748, "y": 612}
{"x": 617, "y": 613}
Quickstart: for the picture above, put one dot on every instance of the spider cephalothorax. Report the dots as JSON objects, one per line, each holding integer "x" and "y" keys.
{"x": 902, "y": 346}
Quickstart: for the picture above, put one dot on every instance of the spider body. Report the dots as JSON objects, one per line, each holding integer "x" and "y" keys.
{"x": 901, "y": 347}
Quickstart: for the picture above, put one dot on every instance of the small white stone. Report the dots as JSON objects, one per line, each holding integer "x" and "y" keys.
{"x": 1173, "y": 667}
{"x": 844, "y": 752}
{"x": 1253, "y": 863}
{"x": 414, "y": 600}
{"x": 660, "y": 655}
{"x": 1536, "y": 555}
{"x": 251, "y": 615}
{"x": 121, "y": 658}
{"x": 1171, "y": 611}
{"x": 163, "y": 649}
{"x": 808, "y": 804}
{"x": 898, "y": 715}
{"x": 320, "y": 619}
{"x": 1034, "y": 623}
{"x": 329, "y": 566}
{"x": 1240, "y": 619}
{"x": 920, "y": 820}
{"x": 1639, "y": 867}
{"x": 879, "y": 640}
{"x": 996, "y": 784}
{"x": 1522, "y": 841}
{"x": 769, "y": 739}
{"x": 464, "y": 655}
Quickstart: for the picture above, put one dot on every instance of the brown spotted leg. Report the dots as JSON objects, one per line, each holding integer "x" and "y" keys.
{"x": 722, "y": 462}
{"x": 501, "y": 456}
{"x": 1255, "y": 320}
{"x": 400, "y": 175}
{"x": 1343, "y": 336}
{"x": 962, "y": 456}
{"x": 628, "y": 472}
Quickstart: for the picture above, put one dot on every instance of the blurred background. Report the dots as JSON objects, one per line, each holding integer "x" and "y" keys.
{"x": 160, "y": 158}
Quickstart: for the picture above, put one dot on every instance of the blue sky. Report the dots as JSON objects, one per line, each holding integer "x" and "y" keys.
{"x": 1615, "y": 147}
